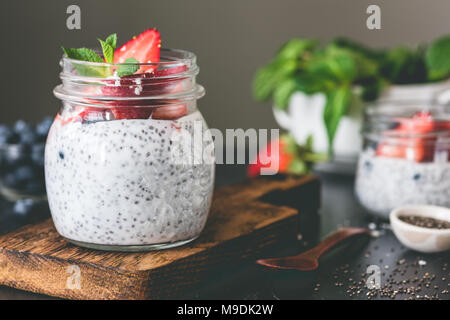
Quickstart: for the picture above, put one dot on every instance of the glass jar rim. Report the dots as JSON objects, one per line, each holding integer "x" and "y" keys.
{"x": 86, "y": 89}
{"x": 381, "y": 119}
{"x": 185, "y": 57}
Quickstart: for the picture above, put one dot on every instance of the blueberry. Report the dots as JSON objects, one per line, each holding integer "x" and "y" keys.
{"x": 43, "y": 127}
{"x": 14, "y": 154}
{"x": 21, "y": 126}
{"x": 5, "y": 134}
{"x": 61, "y": 155}
{"x": 37, "y": 154}
{"x": 368, "y": 165}
{"x": 27, "y": 137}
{"x": 417, "y": 176}
{"x": 25, "y": 173}
{"x": 23, "y": 207}
{"x": 10, "y": 180}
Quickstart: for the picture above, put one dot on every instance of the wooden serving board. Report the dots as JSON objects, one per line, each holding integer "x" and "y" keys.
{"x": 242, "y": 225}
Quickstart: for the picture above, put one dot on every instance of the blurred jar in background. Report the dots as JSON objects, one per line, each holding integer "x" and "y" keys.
{"x": 405, "y": 157}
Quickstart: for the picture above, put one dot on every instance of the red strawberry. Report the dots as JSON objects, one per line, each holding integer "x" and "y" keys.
{"x": 414, "y": 149}
{"x": 266, "y": 160}
{"x": 124, "y": 112}
{"x": 419, "y": 149}
{"x": 145, "y": 48}
{"x": 170, "y": 112}
{"x": 149, "y": 83}
{"x": 421, "y": 122}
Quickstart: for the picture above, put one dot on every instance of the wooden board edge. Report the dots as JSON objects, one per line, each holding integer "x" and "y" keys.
{"x": 68, "y": 279}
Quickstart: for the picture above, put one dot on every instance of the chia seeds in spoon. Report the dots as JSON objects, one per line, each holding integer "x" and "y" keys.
{"x": 425, "y": 222}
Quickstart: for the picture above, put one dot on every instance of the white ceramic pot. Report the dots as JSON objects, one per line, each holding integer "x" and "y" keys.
{"x": 304, "y": 116}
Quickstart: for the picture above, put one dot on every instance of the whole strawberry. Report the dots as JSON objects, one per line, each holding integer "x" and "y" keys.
{"x": 291, "y": 157}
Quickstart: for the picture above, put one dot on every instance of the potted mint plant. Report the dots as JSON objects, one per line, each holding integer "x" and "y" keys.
{"x": 322, "y": 90}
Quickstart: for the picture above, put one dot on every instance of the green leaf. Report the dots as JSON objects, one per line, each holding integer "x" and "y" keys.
{"x": 294, "y": 48}
{"x": 334, "y": 65}
{"x": 404, "y": 66}
{"x": 358, "y": 48}
{"x": 268, "y": 77}
{"x": 112, "y": 40}
{"x": 85, "y": 54}
{"x": 108, "y": 51}
{"x": 283, "y": 92}
{"x": 128, "y": 68}
{"x": 285, "y": 63}
{"x": 437, "y": 58}
{"x": 298, "y": 166}
{"x": 337, "y": 104}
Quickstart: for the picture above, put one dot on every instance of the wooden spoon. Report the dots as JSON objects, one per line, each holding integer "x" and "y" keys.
{"x": 309, "y": 260}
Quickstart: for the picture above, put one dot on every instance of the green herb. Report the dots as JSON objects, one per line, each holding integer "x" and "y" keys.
{"x": 438, "y": 58}
{"x": 403, "y": 66}
{"x": 304, "y": 158}
{"x": 112, "y": 40}
{"x": 108, "y": 47}
{"x": 335, "y": 107}
{"x": 85, "y": 54}
{"x": 128, "y": 68}
{"x": 282, "y": 67}
{"x": 302, "y": 65}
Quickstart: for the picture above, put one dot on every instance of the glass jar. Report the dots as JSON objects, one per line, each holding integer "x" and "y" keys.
{"x": 405, "y": 158}
{"x": 124, "y": 167}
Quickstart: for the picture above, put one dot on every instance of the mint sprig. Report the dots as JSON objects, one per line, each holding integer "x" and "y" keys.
{"x": 129, "y": 68}
{"x": 108, "y": 46}
{"x": 108, "y": 51}
{"x": 112, "y": 40}
{"x": 85, "y": 54}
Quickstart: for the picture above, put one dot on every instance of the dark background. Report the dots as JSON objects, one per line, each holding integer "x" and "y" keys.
{"x": 232, "y": 39}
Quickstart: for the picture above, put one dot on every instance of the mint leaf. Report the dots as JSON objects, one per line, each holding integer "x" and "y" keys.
{"x": 112, "y": 40}
{"x": 294, "y": 48}
{"x": 268, "y": 77}
{"x": 108, "y": 51}
{"x": 403, "y": 65}
{"x": 128, "y": 68}
{"x": 283, "y": 92}
{"x": 437, "y": 58}
{"x": 337, "y": 104}
{"x": 85, "y": 54}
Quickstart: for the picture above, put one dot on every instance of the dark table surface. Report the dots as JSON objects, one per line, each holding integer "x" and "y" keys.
{"x": 404, "y": 274}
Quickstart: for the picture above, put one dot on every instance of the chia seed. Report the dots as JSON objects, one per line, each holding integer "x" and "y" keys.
{"x": 101, "y": 183}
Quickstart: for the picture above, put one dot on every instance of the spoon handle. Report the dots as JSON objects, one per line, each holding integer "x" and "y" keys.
{"x": 333, "y": 239}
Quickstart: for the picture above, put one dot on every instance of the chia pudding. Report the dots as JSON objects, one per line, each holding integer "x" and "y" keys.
{"x": 383, "y": 184}
{"x": 406, "y": 158}
{"x": 129, "y": 161}
{"x": 114, "y": 182}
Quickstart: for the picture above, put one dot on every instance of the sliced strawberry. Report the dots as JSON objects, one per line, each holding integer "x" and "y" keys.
{"x": 419, "y": 149}
{"x": 145, "y": 48}
{"x": 390, "y": 151}
{"x": 421, "y": 122}
{"x": 170, "y": 112}
{"x": 414, "y": 149}
{"x": 145, "y": 84}
{"x": 124, "y": 112}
